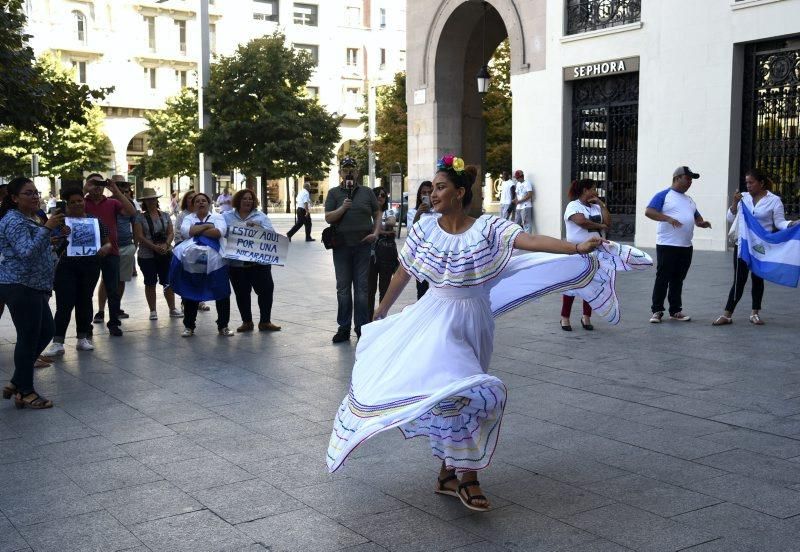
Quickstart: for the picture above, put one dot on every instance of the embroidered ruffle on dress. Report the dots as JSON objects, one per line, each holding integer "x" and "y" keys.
{"x": 423, "y": 370}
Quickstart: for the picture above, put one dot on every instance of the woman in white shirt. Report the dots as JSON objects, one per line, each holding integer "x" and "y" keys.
{"x": 767, "y": 209}
{"x": 383, "y": 261}
{"x": 585, "y": 216}
{"x": 422, "y": 208}
{"x": 211, "y": 225}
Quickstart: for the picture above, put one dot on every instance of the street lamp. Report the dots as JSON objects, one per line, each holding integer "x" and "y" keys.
{"x": 484, "y": 78}
{"x": 203, "y": 74}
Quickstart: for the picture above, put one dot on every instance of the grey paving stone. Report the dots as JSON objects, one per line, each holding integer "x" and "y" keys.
{"x": 81, "y": 451}
{"x": 146, "y": 502}
{"x": 751, "y": 493}
{"x": 10, "y": 539}
{"x": 202, "y": 473}
{"x": 301, "y": 531}
{"x": 518, "y": 528}
{"x": 662, "y": 467}
{"x": 293, "y": 471}
{"x": 755, "y": 465}
{"x": 129, "y": 431}
{"x": 107, "y": 475}
{"x": 639, "y": 530}
{"x": 97, "y": 531}
{"x": 569, "y": 468}
{"x": 346, "y": 499}
{"x": 549, "y": 497}
{"x": 690, "y": 406}
{"x": 674, "y": 444}
{"x": 725, "y": 518}
{"x": 757, "y": 441}
{"x": 17, "y": 450}
{"x": 45, "y": 502}
{"x": 411, "y": 530}
{"x": 165, "y": 450}
{"x": 243, "y": 449}
{"x": 651, "y": 495}
{"x": 193, "y": 532}
{"x": 206, "y": 429}
{"x": 246, "y": 501}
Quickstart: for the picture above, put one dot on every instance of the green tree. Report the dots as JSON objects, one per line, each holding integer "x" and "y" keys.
{"x": 30, "y": 97}
{"x": 497, "y": 111}
{"x": 262, "y": 119}
{"x": 173, "y": 137}
{"x": 391, "y": 121}
{"x": 63, "y": 151}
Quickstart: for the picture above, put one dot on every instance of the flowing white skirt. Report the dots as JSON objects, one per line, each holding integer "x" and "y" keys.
{"x": 423, "y": 370}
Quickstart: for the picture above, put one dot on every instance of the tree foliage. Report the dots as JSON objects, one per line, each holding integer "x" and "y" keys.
{"x": 261, "y": 117}
{"x": 391, "y": 121}
{"x": 173, "y": 137}
{"x": 63, "y": 150}
{"x": 497, "y": 111}
{"x": 29, "y": 97}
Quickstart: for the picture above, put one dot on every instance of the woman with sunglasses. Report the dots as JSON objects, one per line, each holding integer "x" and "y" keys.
{"x": 383, "y": 261}
{"x": 27, "y": 271}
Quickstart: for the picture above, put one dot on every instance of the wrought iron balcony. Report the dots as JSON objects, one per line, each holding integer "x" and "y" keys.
{"x": 592, "y": 15}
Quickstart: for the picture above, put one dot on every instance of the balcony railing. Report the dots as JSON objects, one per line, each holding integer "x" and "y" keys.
{"x": 592, "y": 15}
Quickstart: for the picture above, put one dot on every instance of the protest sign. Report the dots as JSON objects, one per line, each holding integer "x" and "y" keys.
{"x": 84, "y": 237}
{"x": 256, "y": 244}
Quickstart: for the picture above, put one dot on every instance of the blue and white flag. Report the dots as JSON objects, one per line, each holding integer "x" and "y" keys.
{"x": 773, "y": 256}
{"x": 198, "y": 272}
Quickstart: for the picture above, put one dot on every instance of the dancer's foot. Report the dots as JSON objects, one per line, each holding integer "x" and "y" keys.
{"x": 469, "y": 491}
{"x": 447, "y": 482}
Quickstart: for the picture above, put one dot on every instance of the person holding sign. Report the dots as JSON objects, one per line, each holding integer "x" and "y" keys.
{"x": 27, "y": 269}
{"x": 154, "y": 233}
{"x": 77, "y": 274}
{"x": 200, "y": 226}
{"x": 250, "y": 276}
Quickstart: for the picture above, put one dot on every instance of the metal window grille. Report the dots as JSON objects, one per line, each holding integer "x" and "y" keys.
{"x": 771, "y": 117}
{"x": 605, "y": 113}
{"x": 590, "y": 15}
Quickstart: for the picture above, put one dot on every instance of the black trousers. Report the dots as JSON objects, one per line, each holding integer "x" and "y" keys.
{"x": 258, "y": 278}
{"x": 33, "y": 321}
{"x": 190, "y": 313}
{"x": 109, "y": 266}
{"x": 303, "y": 219}
{"x": 740, "y": 273}
{"x": 380, "y": 275}
{"x": 672, "y": 266}
{"x": 74, "y": 285}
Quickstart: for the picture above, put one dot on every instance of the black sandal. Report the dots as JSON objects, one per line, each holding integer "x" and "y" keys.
{"x": 468, "y": 500}
{"x": 32, "y": 400}
{"x": 442, "y": 490}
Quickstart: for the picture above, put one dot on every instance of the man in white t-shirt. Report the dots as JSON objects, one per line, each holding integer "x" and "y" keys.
{"x": 303, "y": 204}
{"x": 523, "y": 202}
{"x": 506, "y": 210}
{"x": 677, "y": 215}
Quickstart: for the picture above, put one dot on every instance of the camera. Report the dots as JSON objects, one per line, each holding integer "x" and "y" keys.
{"x": 60, "y": 207}
{"x": 160, "y": 238}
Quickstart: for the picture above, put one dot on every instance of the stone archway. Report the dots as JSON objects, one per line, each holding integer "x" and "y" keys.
{"x": 445, "y": 112}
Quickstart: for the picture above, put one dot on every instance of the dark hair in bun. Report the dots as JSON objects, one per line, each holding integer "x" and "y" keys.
{"x": 463, "y": 179}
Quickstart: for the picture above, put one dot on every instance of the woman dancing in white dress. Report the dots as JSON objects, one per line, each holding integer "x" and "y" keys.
{"x": 440, "y": 388}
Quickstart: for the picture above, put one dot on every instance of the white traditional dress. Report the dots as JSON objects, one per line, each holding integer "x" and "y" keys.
{"x": 423, "y": 370}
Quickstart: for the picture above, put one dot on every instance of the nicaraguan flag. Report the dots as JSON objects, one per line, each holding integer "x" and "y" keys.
{"x": 198, "y": 271}
{"x": 773, "y": 256}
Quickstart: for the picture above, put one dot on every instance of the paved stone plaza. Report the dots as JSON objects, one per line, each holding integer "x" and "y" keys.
{"x": 636, "y": 437}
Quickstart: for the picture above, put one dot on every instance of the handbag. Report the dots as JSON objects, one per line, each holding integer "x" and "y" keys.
{"x": 386, "y": 254}
{"x": 733, "y": 233}
{"x": 329, "y": 238}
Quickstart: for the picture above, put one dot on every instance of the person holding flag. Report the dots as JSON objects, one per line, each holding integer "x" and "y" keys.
{"x": 760, "y": 210}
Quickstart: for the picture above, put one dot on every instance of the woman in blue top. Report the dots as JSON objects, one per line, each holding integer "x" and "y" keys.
{"x": 27, "y": 270}
{"x": 246, "y": 277}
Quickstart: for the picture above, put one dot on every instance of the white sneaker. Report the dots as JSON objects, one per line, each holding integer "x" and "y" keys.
{"x": 153, "y": 315}
{"x": 187, "y": 332}
{"x": 680, "y": 317}
{"x": 84, "y": 345}
{"x": 176, "y": 313}
{"x": 656, "y": 318}
{"x": 54, "y": 350}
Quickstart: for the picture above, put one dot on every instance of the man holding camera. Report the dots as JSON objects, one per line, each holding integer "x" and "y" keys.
{"x": 355, "y": 213}
{"x": 106, "y": 209}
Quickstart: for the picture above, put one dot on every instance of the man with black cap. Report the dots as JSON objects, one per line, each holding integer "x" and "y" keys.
{"x": 355, "y": 213}
{"x": 677, "y": 215}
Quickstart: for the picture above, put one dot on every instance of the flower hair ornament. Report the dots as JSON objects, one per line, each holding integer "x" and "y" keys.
{"x": 451, "y": 163}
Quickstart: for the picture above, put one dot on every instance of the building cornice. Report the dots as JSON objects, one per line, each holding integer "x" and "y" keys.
{"x": 158, "y": 9}
{"x": 81, "y": 52}
{"x": 158, "y": 60}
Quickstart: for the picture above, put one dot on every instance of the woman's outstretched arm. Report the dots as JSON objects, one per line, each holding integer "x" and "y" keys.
{"x": 546, "y": 244}
{"x": 399, "y": 280}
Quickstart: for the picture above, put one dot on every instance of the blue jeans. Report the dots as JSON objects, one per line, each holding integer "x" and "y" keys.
{"x": 351, "y": 264}
{"x": 33, "y": 321}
